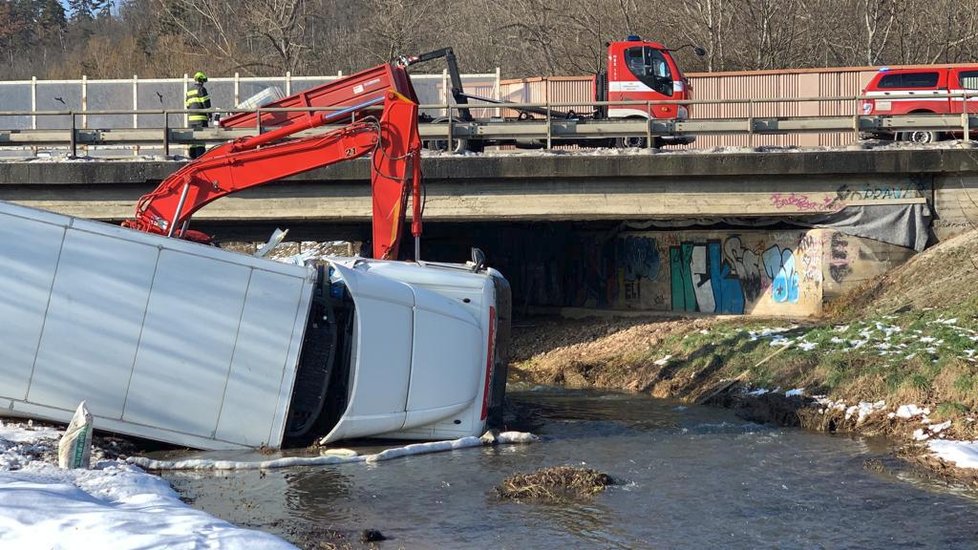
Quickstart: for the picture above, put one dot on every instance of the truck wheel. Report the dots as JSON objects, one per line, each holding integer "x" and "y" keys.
{"x": 921, "y": 136}
{"x": 641, "y": 143}
{"x": 458, "y": 145}
{"x": 625, "y": 143}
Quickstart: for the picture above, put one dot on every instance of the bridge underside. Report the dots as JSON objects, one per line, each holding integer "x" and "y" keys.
{"x": 746, "y": 233}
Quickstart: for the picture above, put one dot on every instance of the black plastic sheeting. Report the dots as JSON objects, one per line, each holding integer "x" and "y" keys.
{"x": 906, "y": 225}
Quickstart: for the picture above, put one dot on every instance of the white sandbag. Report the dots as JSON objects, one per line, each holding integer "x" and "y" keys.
{"x": 75, "y": 447}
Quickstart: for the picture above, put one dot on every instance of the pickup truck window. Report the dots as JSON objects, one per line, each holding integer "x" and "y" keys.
{"x": 649, "y": 65}
{"x": 909, "y": 80}
{"x": 968, "y": 80}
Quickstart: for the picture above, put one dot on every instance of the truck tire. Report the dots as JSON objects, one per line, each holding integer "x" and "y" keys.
{"x": 921, "y": 136}
{"x": 640, "y": 142}
{"x": 458, "y": 145}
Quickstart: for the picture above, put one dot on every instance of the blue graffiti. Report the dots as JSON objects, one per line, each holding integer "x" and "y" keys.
{"x": 641, "y": 258}
{"x": 703, "y": 281}
{"x": 780, "y": 268}
{"x": 728, "y": 293}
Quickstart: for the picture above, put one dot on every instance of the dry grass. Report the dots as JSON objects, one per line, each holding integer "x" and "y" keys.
{"x": 554, "y": 485}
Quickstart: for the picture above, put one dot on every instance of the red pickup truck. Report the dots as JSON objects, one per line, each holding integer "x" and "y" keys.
{"x": 921, "y": 90}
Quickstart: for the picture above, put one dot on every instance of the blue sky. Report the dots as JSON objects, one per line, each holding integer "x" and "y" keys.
{"x": 115, "y": 5}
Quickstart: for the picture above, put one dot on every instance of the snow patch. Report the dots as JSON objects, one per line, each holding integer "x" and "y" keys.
{"x": 910, "y": 411}
{"x": 113, "y": 505}
{"x": 964, "y": 454}
{"x": 938, "y": 428}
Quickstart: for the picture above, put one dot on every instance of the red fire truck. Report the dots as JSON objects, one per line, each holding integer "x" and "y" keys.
{"x": 637, "y": 71}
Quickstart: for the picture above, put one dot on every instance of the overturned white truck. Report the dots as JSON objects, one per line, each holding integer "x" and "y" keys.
{"x": 193, "y": 345}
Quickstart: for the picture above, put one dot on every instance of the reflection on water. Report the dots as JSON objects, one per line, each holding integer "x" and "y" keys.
{"x": 689, "y": 477}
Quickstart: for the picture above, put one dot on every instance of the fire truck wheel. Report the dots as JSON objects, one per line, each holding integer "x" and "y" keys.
{"x": 628, "y": 142}
{"x": 920, "y": 136}
{"x": 641, "y": 143}
{"x": 458, "y": 145}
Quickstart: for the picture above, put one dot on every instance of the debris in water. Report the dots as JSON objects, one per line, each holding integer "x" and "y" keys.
{"x": 556, "y": 484}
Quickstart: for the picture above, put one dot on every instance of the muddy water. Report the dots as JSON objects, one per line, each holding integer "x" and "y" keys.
{"x": 690, "y": 477}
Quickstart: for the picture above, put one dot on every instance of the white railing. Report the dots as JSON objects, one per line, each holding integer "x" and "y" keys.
{"x": 142, "y": 98}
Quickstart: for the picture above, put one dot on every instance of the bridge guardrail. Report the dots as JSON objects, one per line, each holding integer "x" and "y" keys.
{"x": 546, "y": 129}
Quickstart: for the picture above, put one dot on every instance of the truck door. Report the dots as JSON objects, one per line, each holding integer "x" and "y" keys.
{"x": 964, "y": 81}
{"x": 640, "y": 72}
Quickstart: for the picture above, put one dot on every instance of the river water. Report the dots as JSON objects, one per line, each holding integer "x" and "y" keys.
{"x": 690, "y": 477}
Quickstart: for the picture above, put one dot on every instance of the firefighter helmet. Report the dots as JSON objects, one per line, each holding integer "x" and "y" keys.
{"x": 199, "y": 76}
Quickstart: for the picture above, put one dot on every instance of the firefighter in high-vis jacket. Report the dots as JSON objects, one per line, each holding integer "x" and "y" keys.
{"x": 197, "y": 99}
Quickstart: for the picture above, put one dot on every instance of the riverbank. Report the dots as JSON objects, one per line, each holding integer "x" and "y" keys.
{"x": 897, "y": 358}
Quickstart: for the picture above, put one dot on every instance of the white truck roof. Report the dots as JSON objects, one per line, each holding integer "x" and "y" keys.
{"x": 164, "y": 339}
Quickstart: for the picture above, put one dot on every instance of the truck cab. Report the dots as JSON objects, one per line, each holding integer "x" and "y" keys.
{"x": 641, "y": 70}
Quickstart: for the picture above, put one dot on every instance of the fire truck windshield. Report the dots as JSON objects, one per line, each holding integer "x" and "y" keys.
{"x": 650, "y": 66}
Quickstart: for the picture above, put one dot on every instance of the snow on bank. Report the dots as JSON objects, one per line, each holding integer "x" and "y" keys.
{"x": 964, "y": 454}
{"x": 336, "y": 456}
{"x": 113, "y": 505}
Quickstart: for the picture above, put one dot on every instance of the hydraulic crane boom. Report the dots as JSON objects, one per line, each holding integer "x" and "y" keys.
{"x": 391, "y": 139}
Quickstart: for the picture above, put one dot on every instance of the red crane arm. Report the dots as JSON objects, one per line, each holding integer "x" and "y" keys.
{"x": 249, "y": 162}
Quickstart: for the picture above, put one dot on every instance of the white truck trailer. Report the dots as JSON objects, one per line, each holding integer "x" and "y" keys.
{"x": 189, "y": 344}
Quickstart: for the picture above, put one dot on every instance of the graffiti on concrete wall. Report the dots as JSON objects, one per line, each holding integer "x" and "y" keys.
{"x": 640, "y": 257}
{"x": 799, "y": 201}
{"x": 911, "y": 188}
{"x": 712, "y": 277}
{"x": 839, "y": 265}
{"x": 746, "y": 264}
{"x": 809, "y": 256}
{"x": 702, "y": 280}
{"x": 779, "y": 266}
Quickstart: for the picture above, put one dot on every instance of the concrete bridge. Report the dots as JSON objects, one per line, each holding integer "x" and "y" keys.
{"x": 752, "y": 233}
{"x": 533, "y": 187}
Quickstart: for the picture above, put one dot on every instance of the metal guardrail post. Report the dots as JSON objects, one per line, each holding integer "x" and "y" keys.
{"x": 750, "y": 122}
{"x": 549, "y": 126}
{"x": 73, "y": 143}
{"x": 451, "y": 128}
{"x": 648, "y": 125}
{"x": 966, "y": 122}
{"x": 166, "y": 134}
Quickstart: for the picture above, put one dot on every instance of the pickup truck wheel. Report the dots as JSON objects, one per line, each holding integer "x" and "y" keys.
{"x": 921, "y": 136}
